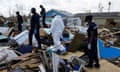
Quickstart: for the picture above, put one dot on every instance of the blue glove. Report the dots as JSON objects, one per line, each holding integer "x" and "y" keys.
{"x": 35, "y": 31}
{"x": 89, "y": 46}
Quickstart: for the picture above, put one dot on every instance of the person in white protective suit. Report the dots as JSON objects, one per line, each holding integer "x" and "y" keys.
{"x": 57, "y": 27}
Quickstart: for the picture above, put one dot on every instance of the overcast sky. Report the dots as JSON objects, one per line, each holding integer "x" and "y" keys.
{"x": 8, "y": 7}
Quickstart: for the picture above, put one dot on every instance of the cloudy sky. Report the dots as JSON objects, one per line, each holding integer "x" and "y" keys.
{"x": 8, "y": 7}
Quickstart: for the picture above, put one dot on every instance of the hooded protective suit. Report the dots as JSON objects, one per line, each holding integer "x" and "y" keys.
{"x": 57, "y": 27}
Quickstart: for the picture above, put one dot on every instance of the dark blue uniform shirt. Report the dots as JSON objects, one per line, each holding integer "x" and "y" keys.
{"x": 92, "y": 27}
{"x": 35, "y": 21}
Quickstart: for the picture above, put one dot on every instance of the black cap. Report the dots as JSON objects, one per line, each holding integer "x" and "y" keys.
{"x": 17, "y": 12}
{"x": 41, "y": 5}
{"x": 33, "y": 10}
{"x": 89, "y": 17}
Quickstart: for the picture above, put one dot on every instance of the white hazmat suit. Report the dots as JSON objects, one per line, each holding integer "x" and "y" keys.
{"x": 57, "y": 27}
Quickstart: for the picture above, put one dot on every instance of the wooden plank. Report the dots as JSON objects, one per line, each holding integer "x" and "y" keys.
{"x": 105, "y": 65}
{"x": 111, "y": 34}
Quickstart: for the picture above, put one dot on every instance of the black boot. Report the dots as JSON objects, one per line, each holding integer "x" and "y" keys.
{"x": 97, "y": 65}
{"x": 89, "y": 65}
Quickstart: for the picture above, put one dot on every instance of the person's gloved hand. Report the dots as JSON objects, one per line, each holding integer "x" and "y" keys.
{"x": 89, "y": 46}
{"x": 35, "y": 31}
{"x": 50, "y": 34}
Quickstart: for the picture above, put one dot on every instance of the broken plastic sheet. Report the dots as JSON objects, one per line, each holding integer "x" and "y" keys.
{"x": 79, "y": 65}
{"x": 23, "y": 36}
{"x": 3, "y": 29}
{"x": 10, "y": 54}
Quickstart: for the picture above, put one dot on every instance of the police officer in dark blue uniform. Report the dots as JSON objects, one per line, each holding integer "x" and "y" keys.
{"x": 43, "y": 15}
{"x": 92, "y": 43}
{"x": 34, "y": 27}
{"x": 20, "y": 21}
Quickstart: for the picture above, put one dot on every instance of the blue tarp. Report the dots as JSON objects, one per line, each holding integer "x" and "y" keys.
{"x": 54, "y": 12}
{"x": 108, "y": 52}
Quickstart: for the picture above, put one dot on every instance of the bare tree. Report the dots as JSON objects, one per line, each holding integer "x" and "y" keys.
{"x": 19, "y": 8}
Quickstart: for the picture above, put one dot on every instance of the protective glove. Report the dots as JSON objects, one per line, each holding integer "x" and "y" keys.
{"x": 35, "y": 31}
{"x": 89, "y": 46}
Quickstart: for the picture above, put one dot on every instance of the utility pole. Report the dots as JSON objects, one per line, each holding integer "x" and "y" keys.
{"x": 109, "y": 3}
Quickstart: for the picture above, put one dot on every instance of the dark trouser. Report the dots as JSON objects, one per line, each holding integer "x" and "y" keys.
{"x": 37, "y": 36}
{"x": 93, "y": 53}
{"x": 43, "y": 21}
{"x": 20, "y": 27}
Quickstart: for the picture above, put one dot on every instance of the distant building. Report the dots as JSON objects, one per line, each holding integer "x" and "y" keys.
{"x": 101, "y": 18}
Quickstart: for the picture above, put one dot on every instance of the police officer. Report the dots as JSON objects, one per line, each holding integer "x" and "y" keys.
{"x": 43, "y": 15}
{"x": 34, "y": 24}
{"x": 92, "y": 43}
{"x": 20, "y": 21}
